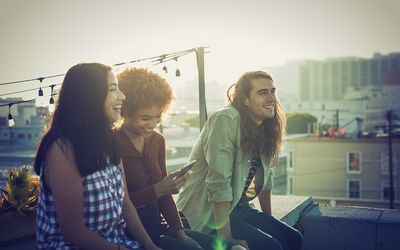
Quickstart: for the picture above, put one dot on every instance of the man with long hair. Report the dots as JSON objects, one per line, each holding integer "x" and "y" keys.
{"x": 235, "y": 155}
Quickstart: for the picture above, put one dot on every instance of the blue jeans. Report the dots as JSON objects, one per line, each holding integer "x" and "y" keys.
{"x": 262, "y": 231}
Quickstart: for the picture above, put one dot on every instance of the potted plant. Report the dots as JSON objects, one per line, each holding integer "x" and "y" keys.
{"x": 18, "y": 203}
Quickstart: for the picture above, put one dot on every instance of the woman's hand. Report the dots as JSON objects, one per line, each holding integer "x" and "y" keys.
{"x": 181, "y": 235}
{"x": 170, "y": 184}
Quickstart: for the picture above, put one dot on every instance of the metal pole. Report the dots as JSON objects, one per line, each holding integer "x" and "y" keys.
{"x": 202, "y": 89}
{"x": 337, "y": 119}
{"x": 389, "y": 123}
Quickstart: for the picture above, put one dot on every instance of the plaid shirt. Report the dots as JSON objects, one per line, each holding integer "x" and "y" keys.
{"x": 102, "y": 211}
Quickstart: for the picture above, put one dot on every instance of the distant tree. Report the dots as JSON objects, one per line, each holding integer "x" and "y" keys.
{"x": 297, "y": 123}
{"x": 193, "y": 121}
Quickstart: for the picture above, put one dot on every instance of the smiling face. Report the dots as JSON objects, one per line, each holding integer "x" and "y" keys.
{"x": 144, "y": 120}
{"x": 114, "y": 98}
{"x": 261, "y": 100}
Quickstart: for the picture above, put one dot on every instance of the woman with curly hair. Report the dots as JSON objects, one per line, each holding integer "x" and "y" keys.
{"x": 150, "y": 187}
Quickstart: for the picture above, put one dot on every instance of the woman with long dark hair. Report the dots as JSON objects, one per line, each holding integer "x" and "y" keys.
{"x": 83, "y": 201}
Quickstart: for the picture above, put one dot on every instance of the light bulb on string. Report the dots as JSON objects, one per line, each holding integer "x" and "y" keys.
{"x": 52, "y": 107}
{"x": 11, "y": 121}
{"x": 177, "y": 72}
{"x": 40, "y": 86}
{"x": 165, "y": 69}
{"x": 51, "y": 101}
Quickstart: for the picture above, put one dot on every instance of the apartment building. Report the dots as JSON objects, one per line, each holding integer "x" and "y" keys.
{"x": 343, "y": 171}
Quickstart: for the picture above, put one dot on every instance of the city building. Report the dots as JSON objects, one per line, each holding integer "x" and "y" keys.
{"x": 359, "y": 110}
{"x": 343, "y": 171}
{"x": 330, "y": 79}
{"x": 29, "y": 121}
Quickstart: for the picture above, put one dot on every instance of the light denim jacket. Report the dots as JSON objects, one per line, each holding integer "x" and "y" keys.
{"x": 220, "y": 172}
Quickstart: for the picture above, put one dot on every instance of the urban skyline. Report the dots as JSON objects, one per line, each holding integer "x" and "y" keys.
{"x": 41, "y": 38}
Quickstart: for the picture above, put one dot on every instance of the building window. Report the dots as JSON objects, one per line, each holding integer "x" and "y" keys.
{"x": 29, "y": 136}
{"x": 354, "y": 162}
{"x": 385, "y": 195}
{"x": 26, "y": 122}
{"x": 289, "y": 161}
{"x": 20, "y": 136}
{"x": 385, "y": 163}
{"x": 291, "y": 185}
{"x": 354, "y": 189}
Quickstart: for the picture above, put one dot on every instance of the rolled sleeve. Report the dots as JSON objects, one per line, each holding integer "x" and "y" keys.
{"x": 219, "y": 149}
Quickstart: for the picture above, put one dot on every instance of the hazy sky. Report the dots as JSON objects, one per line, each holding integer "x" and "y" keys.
{"x": 40, "y": 38}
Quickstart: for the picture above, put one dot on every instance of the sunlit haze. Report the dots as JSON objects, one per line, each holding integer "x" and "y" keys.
{"x": 41, "y": 38}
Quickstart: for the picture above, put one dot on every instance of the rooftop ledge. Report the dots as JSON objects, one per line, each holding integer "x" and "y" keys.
{"x": 323, "y": 227}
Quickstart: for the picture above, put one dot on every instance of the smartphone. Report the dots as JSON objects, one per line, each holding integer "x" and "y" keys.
{"x": 186, "y": 168}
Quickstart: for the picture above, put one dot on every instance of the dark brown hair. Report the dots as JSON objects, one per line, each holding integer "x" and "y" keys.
{"x": 268, "y": 137}
{"x": 80, "y": 123}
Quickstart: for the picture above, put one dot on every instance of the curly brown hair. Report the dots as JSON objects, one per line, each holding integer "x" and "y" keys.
{"x": 143, "y": 88}
{"x": 268, "y": 137}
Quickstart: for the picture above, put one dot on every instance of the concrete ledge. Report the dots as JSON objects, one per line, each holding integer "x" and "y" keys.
{"x": 332, "y": 228}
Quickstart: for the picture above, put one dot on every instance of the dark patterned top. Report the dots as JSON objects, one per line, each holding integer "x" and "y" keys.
{"x": 251, "y": 189}
{"x": 103, "y": 199}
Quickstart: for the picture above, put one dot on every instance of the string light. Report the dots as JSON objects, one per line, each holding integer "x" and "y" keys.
{"x": 40, "y": 86}
{"x": 165, "y": 69}
{"x": 51, "y": 101}
{"x": 26, "y": 90}
{"x": 29, "y": 80}
{"x": 162, "y": 58}
{"x": 52, "y": 107}
{"x": 11, "y": 121}
{"x": 177, "y": 72}
{"x": 158, "y": 59}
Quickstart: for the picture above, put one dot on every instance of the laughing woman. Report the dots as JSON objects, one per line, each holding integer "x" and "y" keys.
{"x": 148, "y": 96}
{"x": 83, "y": 199}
